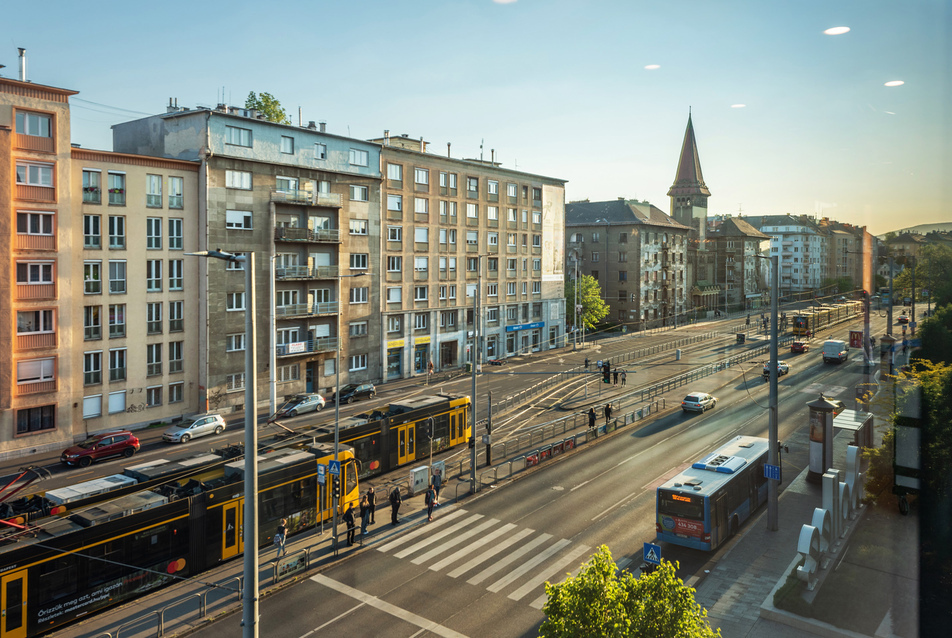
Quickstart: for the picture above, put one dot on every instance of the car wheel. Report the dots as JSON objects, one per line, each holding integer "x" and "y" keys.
{"x": 319, "y": 408}
{"x": 713, "y": 404}
{"x": 350, "y": 400}
{"x": 128, "y": 452}
{"x": 85, "y": 461}
{"x": 219, "y": 429}
{"x": 292, "y": 413}
{"x": 185, "y": 438}
{"x": 373, "y": 394}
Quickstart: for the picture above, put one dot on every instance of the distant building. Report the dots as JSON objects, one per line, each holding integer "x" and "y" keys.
{"x": 733, "y": 267}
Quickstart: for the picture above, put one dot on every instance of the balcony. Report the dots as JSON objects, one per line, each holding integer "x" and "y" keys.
{"x": 36, "y": 291}
{"x": 318, "y": 235}
{"x": 34, "y": 340}
{"x": 306, "y": 310}
{"x": 35, "y": 242}
{"x": 306, "y": 198}
{"x": 306, "y": 272}
{"x": 29, "y": 193}
{"x": 321, "y": 344}
{"x": 36, "y": 387}
{"x": 38, "y": 143}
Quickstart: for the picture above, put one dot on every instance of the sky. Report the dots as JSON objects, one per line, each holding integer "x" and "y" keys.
{"x": 787, "y": 118}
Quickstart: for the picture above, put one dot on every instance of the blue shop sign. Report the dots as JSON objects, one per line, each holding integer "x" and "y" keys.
{"x": 526, "y": 326}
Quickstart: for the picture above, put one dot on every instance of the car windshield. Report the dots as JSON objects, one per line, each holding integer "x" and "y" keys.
{"x": 350, "y": 387}
{"x": 88, "y": 444}
{"x": 692, "y": 397}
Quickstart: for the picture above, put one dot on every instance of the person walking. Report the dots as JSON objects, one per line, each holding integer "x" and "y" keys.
{"x": 430, "y": 499}
{"x": 615, "y": 378}
{"x": 395, "y": 501}
{"x": 351, "y": 524}
{"x": 591, "y": 418}
{"x": 748, "y": 320}
{"x": 608, "y": 412}
{"x": 281, "y": 537}
{"x": 371, "y": 503}
{"x": 624, "y": 377}
{"x": 364, "y": 515}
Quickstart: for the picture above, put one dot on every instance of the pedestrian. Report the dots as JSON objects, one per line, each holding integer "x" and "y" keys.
{"x": 372, "y": 502}
{"x": 591, "y": 417}
{"x": 437, "y": 483}
{"x": 395, "y": 501}
{"x": 586, "y": 363}
{"x": 615, "y": 378}
{"x": 748, "y": 319}
{"x": 364, "y": 515}
{"x": 608, "y": 412}
{"x": 351, "y": 524}
{"x": 430, "y": 499}
{"x": 281, "y": 537}
{"x": 624, "y": 377}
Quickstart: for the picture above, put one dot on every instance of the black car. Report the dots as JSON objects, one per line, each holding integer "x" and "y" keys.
{"x": 353, "y": 391}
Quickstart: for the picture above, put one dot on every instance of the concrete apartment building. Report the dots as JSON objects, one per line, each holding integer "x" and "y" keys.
{"x": 637, "y": 253}
{"x": 453, "y": 226}
{"x": 730, "y": 265}
{"x": 306, "y": 203}
{"x": 803, "y": 247}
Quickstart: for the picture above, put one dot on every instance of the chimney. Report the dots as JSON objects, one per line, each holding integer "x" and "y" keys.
{"x": 323, "y": 126}
{"x": 492, "y": 156}
{"x": 386, "y": 137}
{"x": 422, "y": 145}
{"x": 22, "y": 64}
{"x": 312, "y": 125}
{"x": 300, "y": 116}
{"x": 448, "y": 149}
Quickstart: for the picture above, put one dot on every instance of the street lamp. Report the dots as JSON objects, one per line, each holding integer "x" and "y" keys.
{"x": 337, "y": 402}
{"x": 773, "y": 425}
{"x": 577, "y": 304}
{"x": 249, "y": 601}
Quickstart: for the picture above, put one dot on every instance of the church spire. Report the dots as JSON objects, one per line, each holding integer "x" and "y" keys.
{"x": 689, "y": 179}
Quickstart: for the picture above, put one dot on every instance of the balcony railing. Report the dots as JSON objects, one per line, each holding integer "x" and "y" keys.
{"x": 34, "y": 340}
{"x": 36, "y": 242}
{"x": 117, "y": 374}
{"x": 34, "y": 388}
{"x": 35, "y": 143}
{"x": 306, "y": 234}
{"x": 32, "y": 193}
{"x": 320, "y": 344}
{"x": 304, "y": 309}
{"x": 117, "y": 330}
{"x": 306, "y": 272}
{"x": 306, "y": 198}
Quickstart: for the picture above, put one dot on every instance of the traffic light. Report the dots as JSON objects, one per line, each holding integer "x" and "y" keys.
{"x": 586, "y": 363}
{"x": 336, "y": 488}
{"x": 606, "y": 373}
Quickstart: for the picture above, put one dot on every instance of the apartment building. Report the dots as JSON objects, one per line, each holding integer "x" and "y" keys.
{"x": 306, "y": 203}
{"x": 637, "y": 253}
{"x": 731, "y": 264}
{"x": 803, "y": 247}
{"x": 454, "y": 227}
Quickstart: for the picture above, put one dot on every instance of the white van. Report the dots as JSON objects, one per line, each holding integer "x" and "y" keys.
{"x": 835, "y": 351}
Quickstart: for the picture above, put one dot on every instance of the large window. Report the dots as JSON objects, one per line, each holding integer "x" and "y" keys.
{"x": 420, "y": 293}
{"x": 153, "y": 318}
{"x": 92, "y": 234}
{"x": 240, "y": 219}
{"x": 35, "y": 321}
{"x": 320, "y": 151}
{"x": 153, "y": 275}
{"x": 358, "y": 261}
{"x": 177, "y": 392}
{"x": 394, "y": 233}
{"x": 421, "y": 321}
{"x": 394, "y": 294}
{"x": 176, "y": 277}
{"x": 153, "y": 191}
{"x": 153, "y": 233}
{"x": 35, "y": 223}
{"x": 421, "y": 205}
{"x": 394, "y": 263}
{"x": 395, "y": 202}
{"x": 238, "y": 136}
{"x": 36, "y": 419}
{"x": 36, "y": 370}
{"x": 117, "y": 232}
{"x": 287, "y": 144}
{"x": 92, "y": 277}
{"x": 117, "y": 189}
{"x": 34, "y": 272}
{"x": 117, "y": 320}
{"x": 92, "y": 368}
{"x": 393, "y": 324}
{"x": 117, "y": 364}
{"x": 153, "y": 359}
{"x": 176, "y": 192}
{"x": 359, "y": 157}
{"x": 235, "y": 301}
{"x": 92, "y": 186}
{"x": 421, "y": 235}
{"x": 36, "y": 124}
{"x": 359, "y": 226}
{"x": 421, "y": 264}
{"x": 359, "y": 295}
{"x": 175, "y": 234}
{"x": 359, "y": 193}
{"x": 117, "y": 277}
{"x": 235, "y": 342}
{"x": 235, "y": 382}
{"x": 238, "y": 179}
{"x": 358, "y": 362}
{"x": 421, "y": 176}
{"x": 176, "y": 362}
{"x": 395, "y": 172}
{"x": 92, "y": 323}
{"x": 176, "y": 308}
{"x": 34, "y": 174}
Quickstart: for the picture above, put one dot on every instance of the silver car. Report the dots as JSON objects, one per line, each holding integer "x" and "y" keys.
{"x": 205, "y": 424}
{"x": 300, "y": 404}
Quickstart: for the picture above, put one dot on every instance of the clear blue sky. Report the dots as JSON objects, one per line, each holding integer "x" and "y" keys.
{"x": 557, "y": 88}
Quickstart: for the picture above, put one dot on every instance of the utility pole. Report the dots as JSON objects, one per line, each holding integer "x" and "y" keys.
{"x": 489, "y": 430}
{"x": 475, "y": 363}
{"x": 889, "y": 307}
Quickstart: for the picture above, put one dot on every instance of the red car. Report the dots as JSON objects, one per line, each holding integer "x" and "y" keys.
{"x": 101, "y": 446}
{"x": 799, "y": 346}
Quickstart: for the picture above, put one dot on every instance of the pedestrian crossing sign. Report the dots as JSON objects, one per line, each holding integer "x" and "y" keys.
{"x": 334, "y": 467}
{"x": 652, "y": 554}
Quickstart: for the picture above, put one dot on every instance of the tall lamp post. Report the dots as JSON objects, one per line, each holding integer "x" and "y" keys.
{"x": 249, "y": 599}
{"x": 773, "y": 427}
{"x": 577, "y": 305}
{"x": 337, "y": 401}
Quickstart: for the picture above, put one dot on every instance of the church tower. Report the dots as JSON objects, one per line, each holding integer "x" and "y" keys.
{"x": 689, "y": 193}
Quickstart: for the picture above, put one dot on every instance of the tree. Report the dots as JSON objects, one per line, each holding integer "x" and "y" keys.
{"x": 602, "y": 602}
{"x": 935, "y": 332}
{"x": 594, "y": 308}
{"x": 269, "y": 106}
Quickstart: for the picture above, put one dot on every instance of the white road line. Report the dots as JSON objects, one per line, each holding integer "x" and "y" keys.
{"x": 386, "y": 607}
{"x": 579, "y": 485}
{"x": 528, "y": 565}
{"x": 333, "y": 620}
{"x": 539, "y": 602}
{"x": 623, "y": 563}
{"x": 469, "y": 549}
{"x": 551, "y": 569}
{"x": 508, "y": 560}
{"x": 453, "y": 542}
{"x": 609, "y": 509}
{"x": 419, "y": 532}
{"x": 432, "y": 538}
{"x": 489, "y": 553}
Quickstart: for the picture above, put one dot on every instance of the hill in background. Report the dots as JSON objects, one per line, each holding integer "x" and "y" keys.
{"x": 922, "y": 229}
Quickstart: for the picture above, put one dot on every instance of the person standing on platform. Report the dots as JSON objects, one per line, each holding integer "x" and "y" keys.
{"x": 624, "y": 377}
{"x": 608, "y": 413}
{"x": 281, "y": 537}
{"x": 351, "y": 524}
{"x": 437, "y": 483}
{"x": 591, "y": 418}
{"x": 395, "y": 501}
{"x": 364, "y": 515}
{"x": 615, "y": 378}
{"x": 372, "y": 502}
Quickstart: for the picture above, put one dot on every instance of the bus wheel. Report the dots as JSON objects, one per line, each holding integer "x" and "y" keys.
{"x": 903, "y": 505}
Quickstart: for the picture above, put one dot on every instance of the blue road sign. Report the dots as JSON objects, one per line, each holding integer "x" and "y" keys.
{"x": 321, "y": 474}
{"x": 772, "y": 472}
{"x": 334, "y": 468}
{"x": 652, "y": 554}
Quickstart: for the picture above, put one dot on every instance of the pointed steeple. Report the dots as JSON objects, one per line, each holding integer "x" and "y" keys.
{"x": 689, "y": 180}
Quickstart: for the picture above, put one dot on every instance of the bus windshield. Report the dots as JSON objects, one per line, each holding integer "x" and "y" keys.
{"x": 681, "y": 505}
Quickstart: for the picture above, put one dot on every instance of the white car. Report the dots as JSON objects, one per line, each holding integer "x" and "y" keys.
{"x": 300, "y": 404}
{"x": 698, "y": 402}
{"x": 201, "y": 426}
{"x": 782, "y": 368}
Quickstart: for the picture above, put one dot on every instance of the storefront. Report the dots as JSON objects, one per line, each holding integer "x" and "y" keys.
{"x": 395, "y": 358}
{"x": 448, "y": 354}
{"x": 421, "y": 350}
{"x": 524, "y": 338}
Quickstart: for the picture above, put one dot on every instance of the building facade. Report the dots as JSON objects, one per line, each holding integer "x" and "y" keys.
{"x": 731, "y": 263}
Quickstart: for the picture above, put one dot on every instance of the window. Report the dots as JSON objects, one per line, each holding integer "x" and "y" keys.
{"x": 359, "y": 226}
{"x": 237, "y": 136}
{"x": 453, "y": 291}
{"x": 393, "y": 324}
{"x": 492, "y": 263}
{"x": 117, "y": 189}
{"x": 492, "y": 314}
{"x": 358, "y": 261}
{"x": 511, "y": 288}
{"x": 235, "y": 301}
{"x": 394, "y": 294}
{"x": 492, "y": 213}
{"x": 177, "y": 392}
{"x": 511, "y": 215}
{"x": 472, "y": 185}
{"x": 240, "y": 219}
{"x": 153, "y": 233}
{"x": 117, "y": 277}
{"x": 492, "y": 187}
{"x": 421, "y": 205}
{"x": 442, "y": 293}
{"x": 238, "y": 179}
{"x": 153, "y": 396}
{"x": 472, "y": 237}
{"x": 472, "y": 264}
{"x": 421, "y": 235}
{"x": 452, "y": 236}
{"x": 235, "y": 265}
{"x": 536, "y": 217}
{"x": 92, "y": 323}
{"x": 36, "y": 419}
{"x": 448, "y": 319}
{"x": 395, "y": 202}
{"x": 359, "y": 157}
{"x": 524, "y": 285}
{"x": 176, "y": 192}
{"x": 117, "y": 232}
{"x": 175, "y": 316}
{"x": 358, "y": 362}
{"x": 153, "y": 318}
{"x": 34, "y": 174}
{"x": 536, "y": 194}
{"x": 443, "y": 236}
{"x": 153, "y": 359}
{"x": 512, "y": 313}
{"x": 536, "y": 264}
{"x": 595, "y": 257}
{"x": 492, "y": 290}
{"x": 35, "y": 124}
{"x": 286, "y": 184}
{"x": 394, "y": 264}
{"x": 117, "y": 320}
{"x": 472, "y": 211}
{"x": 537, "y": 241}
{"x": 493, "y": 239}
{"x": 358, "y": 329}
{"x": 395, "y": 172}
{"x": 34, "y": 321}
{"x": 35, "y": 370}
{"x": 594, "y": 236}
{"x": 421, "y": 176}
{"x": 92, "y": 406}
{"x": 511, "y": 264}
{"x": 153, "y": 191}
{"x": 320, "y": 151}
{"x": 153, "y": 275}
{"x": 512, "y": 190}
{"x": 92, "y": 237}
{"x": 511, "y": 239}
{"x": 235, "y": 382}
{"x": 421, "y": 321}
{"x": 359, "y": 295}
{"x": 176, "y": 278}
{"x": 453, "y": 181}
{"x": 536, "y": 287}
{"x": 92, "y": 368}
{"x": 235, "y": 342}
{"x": 394, "y": 233}
{"x": 420, "y": 293}
{"x": 34, "y": 223}
{"x": 92, "y": 277}
{"x": 289, "y": 373}
{"x": 622, "y": 238}
{"x": 92, "y": 187}
{"x": 287, "y": 144}
{"x": 622, "y": 256}
{"x": 421, "y": 264}
{"x": 117, "y": 364}
{"x": 442, "y": 180}
{"x": 452, "y": 211}
{"x": 359, "y": 193}
{"x": 175, "y": 234}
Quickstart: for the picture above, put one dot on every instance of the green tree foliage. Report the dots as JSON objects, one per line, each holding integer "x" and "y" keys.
{"x": 269, "y": 106}
{"x": 594, "y": 308}
{"x": 935, "y": 333}
{"x": 602, "y": 602}
{"x": 933, "y": 273}
{"x": 879, "y": 474}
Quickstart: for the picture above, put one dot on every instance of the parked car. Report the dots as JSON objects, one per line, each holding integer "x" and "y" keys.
{"x": 782, "y": 368}
{"x": 353, "y": 391}
{"x": 101, "y": 446}
{"x": 698, "y": 402}
{"x": 799, "y": 346}
{"x": 200, "y": 426}
{"x": 300, "y": 404}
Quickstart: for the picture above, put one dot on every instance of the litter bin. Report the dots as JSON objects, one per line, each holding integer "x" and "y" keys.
{"x": 741, "y": 337}
{"x": 677, "y": 354}
{"x": 469, "y": 368}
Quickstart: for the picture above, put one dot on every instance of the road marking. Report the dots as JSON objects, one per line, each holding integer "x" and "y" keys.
{"x": 429, "y": 540}
{"x": 492, "y": 551}
{"x": 468, "y": 550}
{"x": 552, "y": 568}
{"x": 419, "y": 532}
{"x": 526, "y": 566}
{"x": 419, "y": 560}
{"x": 580, "y": 485}
{"x": 333, "y": 620}
{"x": 386, "y": 607}
{"x": 508, "y": 560}
{"x": 609, "y": 509}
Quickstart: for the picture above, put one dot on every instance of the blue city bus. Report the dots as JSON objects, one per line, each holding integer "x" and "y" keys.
{"x": 707, "y": 502}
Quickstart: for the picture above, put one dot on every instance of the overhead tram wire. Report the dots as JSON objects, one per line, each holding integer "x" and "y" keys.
{"x": 107, "y": 106}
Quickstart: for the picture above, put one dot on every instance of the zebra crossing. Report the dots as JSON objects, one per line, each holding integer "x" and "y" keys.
{"x": 495, "y": 555}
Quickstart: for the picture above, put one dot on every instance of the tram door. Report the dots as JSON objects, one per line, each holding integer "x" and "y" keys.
{"x": 456, "y": 429}
{"x": 13, "y": 605}
{"x": 406, "y": 446}
{"x": 231, "y": 539}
